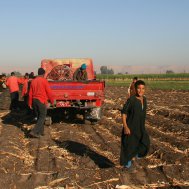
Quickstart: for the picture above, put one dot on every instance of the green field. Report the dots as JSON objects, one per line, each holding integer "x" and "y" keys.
{"x": 164, "y": 85}
{"x": 153, "y": 81}
{"x": 179, "y": 76}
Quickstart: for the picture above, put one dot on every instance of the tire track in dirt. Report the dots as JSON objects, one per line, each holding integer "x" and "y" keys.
{"x": 36, "y": 166}
{"x": 45, "y": 169}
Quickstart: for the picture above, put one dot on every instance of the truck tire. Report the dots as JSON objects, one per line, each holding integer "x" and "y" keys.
{"x": 96, "y": 113}
{"x": 48, "y": 121}
{"x": 93, "y": 115}
{"x": 94, "y": 122}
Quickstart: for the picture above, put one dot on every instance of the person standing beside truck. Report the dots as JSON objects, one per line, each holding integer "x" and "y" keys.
{"x": 39, "y": 94}
{"x": 25, "y": 91}
{"x": 81, "y": 73}
{"x": 13, "y": 85}
{"x": 131, "y": 89}
{"x": 31, "y": 75}
{"x": 2, "y": 82}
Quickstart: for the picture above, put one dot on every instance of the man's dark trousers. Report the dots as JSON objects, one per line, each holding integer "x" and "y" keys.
{"x": 14, "y": 100}
{"x": 29, "y": 111}
{"x": 41, "y": 111}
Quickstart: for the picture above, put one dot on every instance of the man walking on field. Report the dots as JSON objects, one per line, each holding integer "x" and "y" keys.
{"x": 39, "y": 94}
{"x": 13, "y": 85}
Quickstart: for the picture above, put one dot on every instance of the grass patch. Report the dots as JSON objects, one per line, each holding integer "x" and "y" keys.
{"x": 164, "y": 85}
{"x": 181, "y": 76}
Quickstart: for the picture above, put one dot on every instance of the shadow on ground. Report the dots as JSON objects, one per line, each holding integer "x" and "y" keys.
{"x": 83, "y": 150}
{"x": 19, "y": 118}
{"x": 66, "y": 115}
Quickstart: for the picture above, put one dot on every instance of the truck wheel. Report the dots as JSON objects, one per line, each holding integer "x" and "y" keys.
{"x": 94, "y": 122}
{"x": 86, "y": 119}
{"x": 93, "y": 116}
{"x": 96, "y": 113}
{"x": 48, "y": 121}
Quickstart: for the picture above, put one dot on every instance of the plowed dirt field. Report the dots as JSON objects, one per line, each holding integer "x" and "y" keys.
{"x": 76, "y": 155}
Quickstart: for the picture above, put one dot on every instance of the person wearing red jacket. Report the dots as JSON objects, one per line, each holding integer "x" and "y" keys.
{"x": 39, "y": 94}
{"x": 13, "y": 85}
{"x": 25, "y": 91}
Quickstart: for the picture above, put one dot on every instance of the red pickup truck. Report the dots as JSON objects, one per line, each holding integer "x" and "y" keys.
{"x": 84, "y": 97}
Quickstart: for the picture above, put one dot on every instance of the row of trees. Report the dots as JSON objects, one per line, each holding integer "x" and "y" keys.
{"x": 105, "y": 70}
{"x": 17, "y": 73}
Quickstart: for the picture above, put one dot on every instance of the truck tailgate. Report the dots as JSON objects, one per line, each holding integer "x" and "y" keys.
{"x": 70, "y": 90}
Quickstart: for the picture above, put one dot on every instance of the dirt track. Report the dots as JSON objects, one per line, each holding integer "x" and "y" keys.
{"x": 77, "y": 155}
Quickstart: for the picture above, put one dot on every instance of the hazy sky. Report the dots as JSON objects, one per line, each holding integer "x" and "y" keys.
{"x": 111, "y": 32}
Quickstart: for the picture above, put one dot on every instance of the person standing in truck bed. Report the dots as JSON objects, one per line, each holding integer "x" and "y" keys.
{"x": 81, "y": 73}
{"x": 39, "y": 94}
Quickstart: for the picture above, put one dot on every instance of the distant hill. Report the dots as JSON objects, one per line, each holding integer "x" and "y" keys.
{"x": 146, "y": 69}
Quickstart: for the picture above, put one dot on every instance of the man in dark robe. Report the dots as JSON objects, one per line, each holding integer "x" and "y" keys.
{"x": 135, "y": 140}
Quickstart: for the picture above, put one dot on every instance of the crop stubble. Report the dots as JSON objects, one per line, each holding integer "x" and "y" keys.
{"x": 79, "y": 155}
